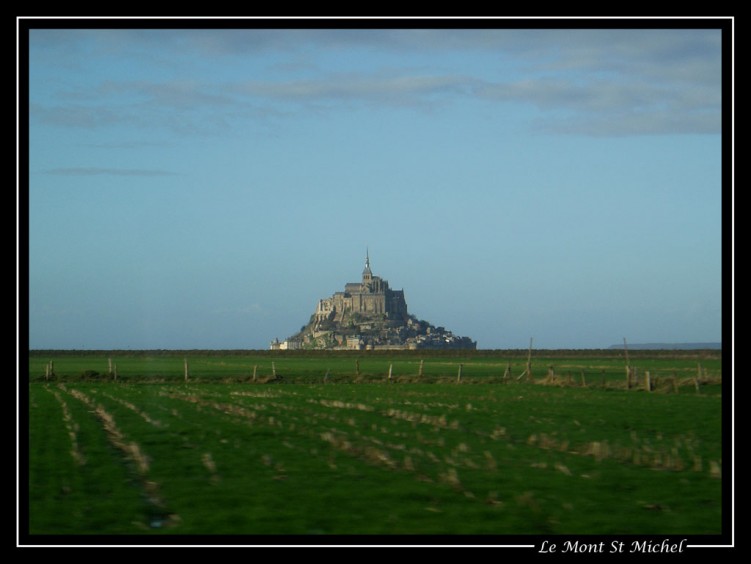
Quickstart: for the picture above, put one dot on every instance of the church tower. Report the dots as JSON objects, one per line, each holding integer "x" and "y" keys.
{"x": 367, "y": 274}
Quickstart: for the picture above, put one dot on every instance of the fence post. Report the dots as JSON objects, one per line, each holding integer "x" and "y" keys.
{"x": 698, "y": 377}
{"x": 459, "y": 375}
{"x": 528, "y": 369}
{"x": 419, "y": 372}
{"x": 185, "y": 362}
{"x": 391, "y": 366}
{"x": 628, "y": 364}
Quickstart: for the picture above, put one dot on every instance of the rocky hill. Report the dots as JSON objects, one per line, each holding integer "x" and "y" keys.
{"x": 370, "y": 315}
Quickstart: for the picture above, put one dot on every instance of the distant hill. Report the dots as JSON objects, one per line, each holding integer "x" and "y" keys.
{"x": 670, "y": 346}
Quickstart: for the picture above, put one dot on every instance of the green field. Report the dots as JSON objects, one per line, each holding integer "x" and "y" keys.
{"x": 596, "y": 367}
{"x": 331, "y": 446}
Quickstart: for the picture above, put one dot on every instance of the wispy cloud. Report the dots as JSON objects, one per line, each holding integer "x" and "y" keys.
{"x": 396, "y": 89}
{"x": 96, "y": 171}
{"x": 123, "y": 145}
{"x": 602, "y": 107}
{"x": 593, "y": 82}
{"x": 76, "y": 115}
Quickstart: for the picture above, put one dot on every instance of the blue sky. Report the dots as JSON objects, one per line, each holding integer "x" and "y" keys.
{"x": 204, "y": 188}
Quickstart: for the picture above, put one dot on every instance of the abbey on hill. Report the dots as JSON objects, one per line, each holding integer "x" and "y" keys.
{"x": 369, "y": 315}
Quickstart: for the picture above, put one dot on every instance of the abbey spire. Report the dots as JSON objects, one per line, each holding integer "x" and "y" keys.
{"x": 367, "y": 274}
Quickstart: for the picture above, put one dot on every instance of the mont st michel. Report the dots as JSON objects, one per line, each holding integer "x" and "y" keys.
{"x": 369, "y": 315}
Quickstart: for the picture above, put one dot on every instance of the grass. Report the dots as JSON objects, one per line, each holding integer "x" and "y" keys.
{"x": 72, "y": 493}
{"x": 370, "y": 458}
{"x": 591, "y": 367}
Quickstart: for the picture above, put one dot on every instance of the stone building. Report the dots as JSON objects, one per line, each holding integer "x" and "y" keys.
{"x": 367, "y": 298}
{"x": 369, "y": 315}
